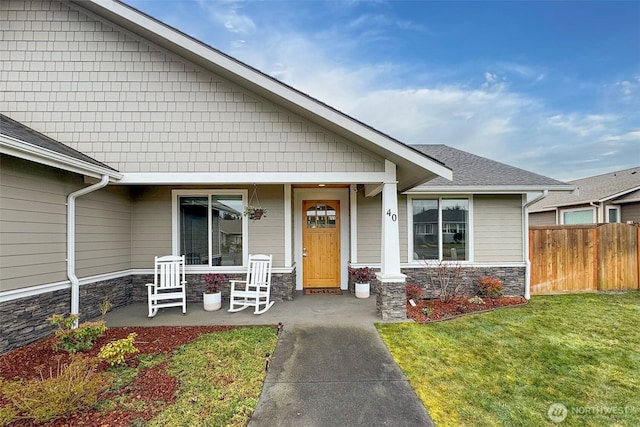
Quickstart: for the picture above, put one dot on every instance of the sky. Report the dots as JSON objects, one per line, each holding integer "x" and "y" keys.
{"x": 552, "y": 87}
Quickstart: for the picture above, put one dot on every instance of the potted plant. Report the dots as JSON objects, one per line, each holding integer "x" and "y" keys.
{"x": 212, "y": 296}
{"x": 362, "y": 278}
{"x": 255, "y": 212}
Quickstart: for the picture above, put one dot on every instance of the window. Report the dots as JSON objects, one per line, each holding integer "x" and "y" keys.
{"x": 211, "y": 228}
{"x": 440, "y": 228}
{"x": 613, "y": 214}
{"x": 579, "y": 216}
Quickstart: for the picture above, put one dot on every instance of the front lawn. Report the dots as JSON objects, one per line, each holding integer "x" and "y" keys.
{"x": 508, "y": 367}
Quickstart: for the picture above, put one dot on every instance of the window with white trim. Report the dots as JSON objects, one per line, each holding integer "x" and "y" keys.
{"x": 211, "y": 230}
{"x": 613, "y": 213}
{"x": 440, "y": 228}
{"x": 578, "y": 216}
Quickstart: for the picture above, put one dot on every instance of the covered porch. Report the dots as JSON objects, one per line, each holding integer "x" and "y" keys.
{"x": 343, "y": 309}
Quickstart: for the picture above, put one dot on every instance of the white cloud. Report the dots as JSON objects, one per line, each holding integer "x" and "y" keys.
{"x": 228, "y": 14}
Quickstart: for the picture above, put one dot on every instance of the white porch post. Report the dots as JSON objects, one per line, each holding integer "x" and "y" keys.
{"x": 391, "y": 293}
{"x": 390, "y": 250}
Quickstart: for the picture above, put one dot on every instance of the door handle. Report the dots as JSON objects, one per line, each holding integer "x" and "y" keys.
{"x": 304, "y": 252}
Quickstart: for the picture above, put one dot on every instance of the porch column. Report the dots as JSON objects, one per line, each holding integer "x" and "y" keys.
{"x": 390, "y": 250}
{"x": 391, "y": 299}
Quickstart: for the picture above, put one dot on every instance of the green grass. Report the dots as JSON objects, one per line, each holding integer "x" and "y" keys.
{"x": 505, "y": 368}
{"x": 221, "y": 376}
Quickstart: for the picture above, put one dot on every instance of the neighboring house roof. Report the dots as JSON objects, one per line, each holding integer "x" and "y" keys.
{"x": 472, "y": 173}
{"x": 21, "y": 141}
{"x": 414, "y": 167}
{"x": 620, "y": 186}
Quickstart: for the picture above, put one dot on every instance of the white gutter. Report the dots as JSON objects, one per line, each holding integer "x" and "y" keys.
{"x": 71, "y": 241}
{"x": 525, "y": 222}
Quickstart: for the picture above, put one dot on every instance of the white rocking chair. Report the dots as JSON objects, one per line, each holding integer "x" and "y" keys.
{"x": 256, "y": 289}
{"x": 169, "y": 285}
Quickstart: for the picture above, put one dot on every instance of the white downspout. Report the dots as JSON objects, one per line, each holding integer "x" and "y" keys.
{"x": 71, "y": 242}
{"x": 525, "y": 217}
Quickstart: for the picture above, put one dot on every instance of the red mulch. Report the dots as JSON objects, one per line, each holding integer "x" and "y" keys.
{"x": 458, "y": 307}
{"x": 153, "y": 386}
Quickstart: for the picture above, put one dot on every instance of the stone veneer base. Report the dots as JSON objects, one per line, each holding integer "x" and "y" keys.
{"x": 24, "y": 320}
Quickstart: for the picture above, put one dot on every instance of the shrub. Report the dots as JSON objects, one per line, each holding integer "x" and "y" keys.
{"x": 476, "y": 300}
{"x": 71, "y": 388}
{"x": 414, "y": 292}
{"x": 491, "y": 287}
{"x": 427, "y": 311}
{"x": 446, "y": 278}
{"x": 114, "y": 352}
{"x": 78, "y": 339}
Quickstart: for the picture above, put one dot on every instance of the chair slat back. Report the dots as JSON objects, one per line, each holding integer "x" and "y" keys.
{"x": 259, "y": 272}
{"x": 169, "y": 271}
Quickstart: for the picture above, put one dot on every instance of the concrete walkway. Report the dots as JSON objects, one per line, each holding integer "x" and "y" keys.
{"x": 330, "y": 367}
{"x": 336, "y": 376}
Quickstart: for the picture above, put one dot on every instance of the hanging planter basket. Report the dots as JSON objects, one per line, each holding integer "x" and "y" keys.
{"x": 254, "y": 209}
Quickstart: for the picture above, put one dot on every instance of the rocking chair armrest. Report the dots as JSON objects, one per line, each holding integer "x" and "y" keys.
{"x": 233, "y": 282}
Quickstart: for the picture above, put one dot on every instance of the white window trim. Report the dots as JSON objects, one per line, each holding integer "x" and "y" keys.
{"x": 438, "y": 229}
{"x": 608, "y": 208}
{"x": 175, "y": 226}
{"x": 585, "y": 208}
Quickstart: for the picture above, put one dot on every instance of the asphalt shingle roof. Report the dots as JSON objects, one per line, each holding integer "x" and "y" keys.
{"x": 476, "y": 171}
{"x": 595, "y": 189}
{"x": 16, "y": 130}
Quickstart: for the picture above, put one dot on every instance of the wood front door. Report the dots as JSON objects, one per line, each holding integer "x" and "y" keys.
{"x": 321, "y": 244}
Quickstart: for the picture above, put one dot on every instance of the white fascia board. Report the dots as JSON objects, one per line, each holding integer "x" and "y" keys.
{"x": 620, "y": 194}
{"x": 269, "y": 85}
{"x": 36, "y": 154}
{"x": 625, "y": 201}
{"x": 252, "y": 178}
{"x": 505, "y": 189}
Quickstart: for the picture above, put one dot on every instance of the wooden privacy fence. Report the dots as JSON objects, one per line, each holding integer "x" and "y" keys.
{"x": 584, "y": 258}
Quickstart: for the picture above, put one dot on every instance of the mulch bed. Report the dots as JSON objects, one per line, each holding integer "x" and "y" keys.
{"x": 459, "y": 306}
{"x": 153, "y": 386}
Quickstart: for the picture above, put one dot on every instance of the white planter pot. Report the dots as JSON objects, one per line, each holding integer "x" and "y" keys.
{"x": 362, "y": 290}
{"x": 212, "y": 302}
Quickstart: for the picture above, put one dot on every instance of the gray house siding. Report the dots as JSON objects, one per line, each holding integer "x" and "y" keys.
{"x": 497, "y": 228}
{"x": 138, "y": 108}
{"x": 33, "y": 222}
{"x": 542, "y": 218}
{"x": 630, "y": 212}
{"x": 369, "y": 225}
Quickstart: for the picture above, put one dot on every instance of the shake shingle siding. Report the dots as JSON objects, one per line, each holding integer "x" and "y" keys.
{"x": 139, "y": 108}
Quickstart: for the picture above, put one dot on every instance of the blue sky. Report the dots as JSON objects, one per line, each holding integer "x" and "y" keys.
{"x": 552, "y": 87}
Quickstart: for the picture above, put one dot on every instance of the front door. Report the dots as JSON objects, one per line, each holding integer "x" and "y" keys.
{"x": 321, "y": 244}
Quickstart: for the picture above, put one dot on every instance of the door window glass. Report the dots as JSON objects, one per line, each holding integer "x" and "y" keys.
{"x": 321, "y": 216}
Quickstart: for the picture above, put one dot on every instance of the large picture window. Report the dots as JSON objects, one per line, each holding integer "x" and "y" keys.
{"x": 579, "y": 216}
{"x": 211, "y": 228}
{"x": 440, "y": 229}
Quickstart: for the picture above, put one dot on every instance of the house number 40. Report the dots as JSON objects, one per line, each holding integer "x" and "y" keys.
{"x": 393, "y": 216}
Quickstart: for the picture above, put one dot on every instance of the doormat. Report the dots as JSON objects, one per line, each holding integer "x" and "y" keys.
{"x": 323, "y": 291}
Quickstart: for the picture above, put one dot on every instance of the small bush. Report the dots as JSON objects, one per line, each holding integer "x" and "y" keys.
{"x": 491, "y": 287}
{"x": 79, "y": 339}
{"x": 71, "y": 388}
{"x": 414, "y": 292}
{"x": 427, "y": 311}
{"x": 114, "y": 352}
{"x": 476, "y": 300}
